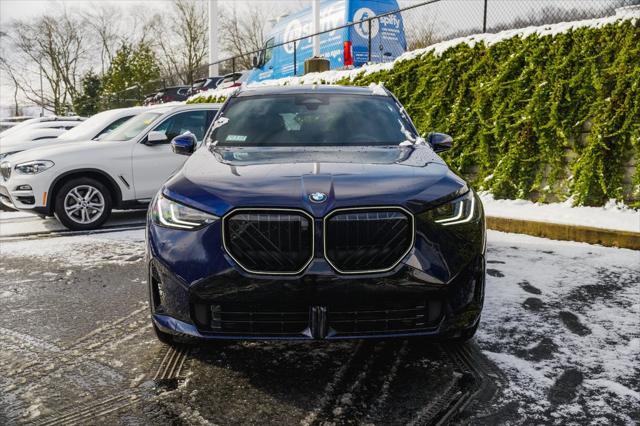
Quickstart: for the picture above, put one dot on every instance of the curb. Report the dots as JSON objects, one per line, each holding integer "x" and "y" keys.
{"x": 557, "y": 231}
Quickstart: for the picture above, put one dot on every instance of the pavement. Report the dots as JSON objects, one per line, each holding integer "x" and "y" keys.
{"x": 559, "y": 342}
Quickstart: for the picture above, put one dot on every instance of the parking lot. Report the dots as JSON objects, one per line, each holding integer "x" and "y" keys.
{"x": 559, "y": 341}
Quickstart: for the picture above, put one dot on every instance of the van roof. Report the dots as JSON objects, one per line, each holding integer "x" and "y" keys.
{"x": 306, "y": 88}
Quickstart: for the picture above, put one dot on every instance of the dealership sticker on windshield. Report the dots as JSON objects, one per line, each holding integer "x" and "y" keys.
{"x": 236, "y": 138}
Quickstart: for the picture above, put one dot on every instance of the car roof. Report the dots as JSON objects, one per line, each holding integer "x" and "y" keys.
{"x": 305, "y": 88}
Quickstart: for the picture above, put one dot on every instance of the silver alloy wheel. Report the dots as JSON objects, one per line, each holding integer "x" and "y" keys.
{"x": 84, "y": 204}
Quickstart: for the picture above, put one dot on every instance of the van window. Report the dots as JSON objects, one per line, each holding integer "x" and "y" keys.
{"x": 268, "y": 51}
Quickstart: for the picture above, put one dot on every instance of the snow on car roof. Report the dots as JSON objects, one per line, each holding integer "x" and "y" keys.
{"x": 307, "y": 88}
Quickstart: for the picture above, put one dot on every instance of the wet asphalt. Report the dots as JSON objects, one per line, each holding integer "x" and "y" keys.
{"x": 77, "y": 348}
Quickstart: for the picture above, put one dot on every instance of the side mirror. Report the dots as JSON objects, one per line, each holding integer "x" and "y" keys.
{"x": 155, "y": 137}
{"x": 254, "y": 61}
{"x": 184, "y": 144}
{"x": 439, "y": 141}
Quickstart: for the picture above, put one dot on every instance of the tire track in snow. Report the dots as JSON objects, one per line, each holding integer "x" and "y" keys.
{"x": 358, "y": 384}
{"x": 375, "y": 411}
{"x": 169, "y": 368}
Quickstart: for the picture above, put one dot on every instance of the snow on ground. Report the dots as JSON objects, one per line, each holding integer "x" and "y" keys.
{"x": 611, "y": 216}
{"x": 332, "y": 76}
{"x": 562, "y": 320}
{"x": 87, "y": 250}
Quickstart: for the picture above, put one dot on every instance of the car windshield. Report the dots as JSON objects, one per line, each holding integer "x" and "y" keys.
{"x": 90, "y": 127}
{"x": 312, "y": 120}
{"x": 132, "y": 128}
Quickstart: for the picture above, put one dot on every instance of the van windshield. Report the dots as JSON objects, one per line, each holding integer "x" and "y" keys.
{"x": 133, "y": 127}
{"x": 312, "y": 120}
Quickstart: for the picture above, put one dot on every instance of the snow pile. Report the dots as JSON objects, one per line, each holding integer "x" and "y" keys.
{"x": 612, "y": 216}
{"x": 215, "y": 95}
{"x": 562, "y": 320}
{"x": 333, "y": 76}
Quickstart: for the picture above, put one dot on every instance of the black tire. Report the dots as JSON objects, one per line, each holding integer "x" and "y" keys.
{"x": 75, "y": 220}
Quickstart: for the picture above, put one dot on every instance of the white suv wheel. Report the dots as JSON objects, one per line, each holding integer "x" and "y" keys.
{"x": 84, "y": 204}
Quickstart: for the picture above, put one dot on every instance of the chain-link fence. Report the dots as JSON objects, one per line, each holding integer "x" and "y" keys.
{"x": 382, "y": 37}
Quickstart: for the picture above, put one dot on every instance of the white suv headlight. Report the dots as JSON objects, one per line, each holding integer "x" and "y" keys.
{"x": 33, "y": 167}
{"x": 175, "y": 215}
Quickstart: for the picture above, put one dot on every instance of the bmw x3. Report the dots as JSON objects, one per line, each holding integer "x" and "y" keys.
{"x": 315, "y": 212}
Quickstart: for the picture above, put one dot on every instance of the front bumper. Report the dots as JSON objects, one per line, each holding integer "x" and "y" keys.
{"x": 197, "y": 290}
{"x": 34, "y": 199}
{"x": 309, "y": 309}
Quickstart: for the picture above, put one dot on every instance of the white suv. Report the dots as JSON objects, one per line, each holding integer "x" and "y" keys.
{"x": 82, "y": 182}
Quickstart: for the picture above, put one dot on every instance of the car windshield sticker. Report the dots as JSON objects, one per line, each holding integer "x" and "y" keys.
{"x": 236, "y": 138}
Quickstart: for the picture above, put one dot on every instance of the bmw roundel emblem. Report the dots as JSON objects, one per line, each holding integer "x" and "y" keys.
{"x": 318, "y": 197}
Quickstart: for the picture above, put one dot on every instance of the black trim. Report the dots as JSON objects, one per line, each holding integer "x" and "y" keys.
{"x": 117, "y": 202}
{"x": 133, "y": 205}
{"x": 124, "y": 181}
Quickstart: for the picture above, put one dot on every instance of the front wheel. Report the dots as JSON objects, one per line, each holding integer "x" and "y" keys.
{"x": 83, "y": 204}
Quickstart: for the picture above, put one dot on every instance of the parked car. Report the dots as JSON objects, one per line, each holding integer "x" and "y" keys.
{"x": 344, "y": 47}
{"x": 82, "y": 182}
{"x": 95, "y": 127}
{"x": 38, "y": 134}
{"x": 234, "y": 79}
{"x": 172, "y": 94}
{"x": 34, "y": 133}
{"x": 315, "y": 212}
{"x": 149, "y": 99}
{"x": 204, "y": 85}
{"x": 39, "y": 122}
{"x": 9, "y": 122}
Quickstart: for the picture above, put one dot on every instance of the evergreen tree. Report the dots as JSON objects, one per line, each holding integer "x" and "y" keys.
{"x": 88, "y": 103}
{"x": 132, "y": 72}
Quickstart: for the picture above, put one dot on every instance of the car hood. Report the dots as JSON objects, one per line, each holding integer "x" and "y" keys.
{"x": 218, "y": 179}
{"x": 50, "y": 151}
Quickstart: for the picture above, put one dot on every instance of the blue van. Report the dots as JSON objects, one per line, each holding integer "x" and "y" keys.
{"x": 344, "y": 48}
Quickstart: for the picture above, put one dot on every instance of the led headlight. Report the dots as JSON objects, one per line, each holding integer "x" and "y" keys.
{"x": 455, "y": 212}
{"x": 33, "y": 167}
{"x": 175, "y": 215}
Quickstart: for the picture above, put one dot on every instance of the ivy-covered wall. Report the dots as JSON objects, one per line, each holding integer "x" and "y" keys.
{"x": 542, "y": 117}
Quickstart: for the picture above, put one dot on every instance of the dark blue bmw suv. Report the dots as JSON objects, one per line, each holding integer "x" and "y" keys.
{"x": 315, "y": 212}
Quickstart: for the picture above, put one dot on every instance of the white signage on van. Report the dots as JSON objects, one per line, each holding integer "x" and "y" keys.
{"x": 390, "y": 23}
{"x": 362, "y": 28}
{"x": 330, "y": 17}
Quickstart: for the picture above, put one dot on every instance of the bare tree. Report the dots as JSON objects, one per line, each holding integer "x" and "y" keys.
{"x": 8, "y": 69}
{"x": 243, "y": 27}
{"x": 104, "y": 22}
{"x": 181, "y": 39}
{"x": 55, "y": 46}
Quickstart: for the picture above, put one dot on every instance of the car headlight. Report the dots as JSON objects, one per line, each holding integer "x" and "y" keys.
{"x": 33, "y": 167}
{"x": 455, "y": 212}
{"x": 168, "y": 213}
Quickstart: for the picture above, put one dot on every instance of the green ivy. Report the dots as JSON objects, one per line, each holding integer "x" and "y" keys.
{"x": 543, "y": 117}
